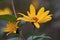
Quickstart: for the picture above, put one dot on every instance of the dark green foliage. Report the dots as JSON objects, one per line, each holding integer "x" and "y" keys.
{"x": 8, "y": 17}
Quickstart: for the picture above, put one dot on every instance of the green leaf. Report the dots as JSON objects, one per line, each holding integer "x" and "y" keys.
{"x": 16, "y": 38}
{"x": 1, "y": 0}
{"x": 39, "y": 37}
{"x": 45, "y": 38}
{"x": 36, "y": 38}
{"x": 42, "y": 37}
{"x": 8, "y": 17}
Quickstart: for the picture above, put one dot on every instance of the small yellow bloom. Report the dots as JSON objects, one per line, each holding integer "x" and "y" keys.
{"x": 11, "y": 27}
{"x": 41, "y": 17}
{"x": 5, "y": 11}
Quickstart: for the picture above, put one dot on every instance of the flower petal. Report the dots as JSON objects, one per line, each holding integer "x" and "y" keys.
{"x": 37, "y": 25}
{"x": 43, "y": 15}
{"x": 23, "y": 15}
{"x": 21, "y": 18}
{"x": 32, "y": 10}
{"x": 40, "y": 12}
{"x": 14, "y": 31}
{"x": 6, "y": 30}
{"x": 29, "y": 14}
{"x": 5, "y": 11}
{"x": 25, "y": 19}
{"x": 8, "y": 33}
{"x": 47, "y": 18}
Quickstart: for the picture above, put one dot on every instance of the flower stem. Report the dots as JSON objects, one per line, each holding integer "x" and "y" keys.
{"x": 21, "y": 34}
{"x": 14, "y": 11}
{"x": 33, "y": 32}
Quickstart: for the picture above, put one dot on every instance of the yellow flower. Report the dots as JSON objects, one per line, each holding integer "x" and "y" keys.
{"x": 5, "y": 11}
{"x": 41, "y": 17}
{"x": 11, "y": 27}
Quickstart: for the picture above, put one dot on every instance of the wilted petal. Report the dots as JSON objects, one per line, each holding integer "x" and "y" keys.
{"x": 11, "y": 27}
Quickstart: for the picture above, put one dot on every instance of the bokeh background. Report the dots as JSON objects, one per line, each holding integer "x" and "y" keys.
{"x": 51, "y": 28}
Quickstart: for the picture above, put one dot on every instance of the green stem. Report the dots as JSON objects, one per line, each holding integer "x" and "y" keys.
{"x": 33, "y": 32}
{"x": 14, "y": 11}
{"x": 20, "y": 34}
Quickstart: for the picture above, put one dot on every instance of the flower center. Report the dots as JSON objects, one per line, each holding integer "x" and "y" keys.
{"x": 35, "y": 18}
